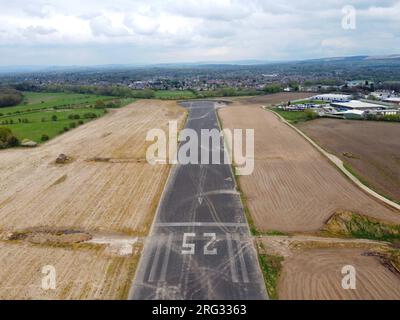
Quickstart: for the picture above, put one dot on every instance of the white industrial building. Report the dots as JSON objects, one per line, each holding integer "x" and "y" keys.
{"x": 395, "y": 100}
{"x": 333, "y": 97}
{"x": 357, "y": 105}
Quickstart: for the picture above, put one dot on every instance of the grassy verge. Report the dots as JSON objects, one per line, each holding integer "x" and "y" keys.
{"x": 271, "y": 267}
{"x": 295, "y": 116}
{"x": 349, "y": 224}
{"x": 174, "y": 94}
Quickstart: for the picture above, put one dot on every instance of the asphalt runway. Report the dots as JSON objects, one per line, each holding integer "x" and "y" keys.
{"x": 200, "y": 246}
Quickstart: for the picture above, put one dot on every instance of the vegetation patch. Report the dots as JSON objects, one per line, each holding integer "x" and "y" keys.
{"x": 297, "y": 116}
{"x": 271, "y": 267}
{"x": 42, "y": 116}
{"x": 10, "y": 97}
{"x": 7, "y": 138}
{"x": 354, "y": 225}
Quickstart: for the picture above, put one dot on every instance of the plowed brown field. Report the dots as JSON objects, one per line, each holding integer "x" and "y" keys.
{"x": 107, "y": 187}
{"x": 316, "y": 274}
{"x": 372, "y": 148}
{"x": 293, "y": 187}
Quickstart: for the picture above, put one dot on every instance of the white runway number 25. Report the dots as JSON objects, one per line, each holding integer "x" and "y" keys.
{"x": 189, "y": 248}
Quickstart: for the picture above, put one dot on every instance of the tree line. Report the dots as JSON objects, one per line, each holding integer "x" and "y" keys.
{"x": 10, "y": 97}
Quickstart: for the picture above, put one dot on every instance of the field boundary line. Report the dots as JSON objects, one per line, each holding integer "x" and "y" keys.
{"x": 338, "y": 163}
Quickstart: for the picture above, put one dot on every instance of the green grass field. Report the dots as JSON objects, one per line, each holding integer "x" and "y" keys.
{"x": 33, "y": 118}
{"x": 174, "y": 95}
{"x": 292, "y": 116}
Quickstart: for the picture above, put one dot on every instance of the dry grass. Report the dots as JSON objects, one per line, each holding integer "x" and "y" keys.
{"x": 117, "y": 195}
{"x": 80, "y": 273}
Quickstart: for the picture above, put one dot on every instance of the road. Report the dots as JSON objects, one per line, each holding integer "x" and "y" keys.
{"x": 200, "y": 247}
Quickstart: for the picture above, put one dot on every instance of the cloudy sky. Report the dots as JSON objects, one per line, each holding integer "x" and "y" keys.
{"x": 87, "y": 32}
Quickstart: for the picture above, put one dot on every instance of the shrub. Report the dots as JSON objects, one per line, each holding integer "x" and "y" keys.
{"x": 44, "y": 137}
{"x": 310, "y": 114}
{"x": 99, "y": 104}
{"x": 7, "y": 139}
{"x": 54, "y": 118}
{"x": 72, "y": 125}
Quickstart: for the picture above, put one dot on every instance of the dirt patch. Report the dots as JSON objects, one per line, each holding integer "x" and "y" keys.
{"x": 293, "y": 187}
{"x": 48, "y": 236}
{"x": 316, "y": 274}
{"x": 375, "y": 144}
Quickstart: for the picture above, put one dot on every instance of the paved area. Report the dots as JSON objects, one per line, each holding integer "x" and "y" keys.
{"x": 200, "y": 245}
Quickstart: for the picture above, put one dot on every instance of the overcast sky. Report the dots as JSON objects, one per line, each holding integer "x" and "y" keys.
{"x": 81, "y": 32}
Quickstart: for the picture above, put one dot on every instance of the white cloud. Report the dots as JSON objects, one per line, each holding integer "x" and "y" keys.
{"x": 189, "y": 30}
{"x": 104, "y": 26}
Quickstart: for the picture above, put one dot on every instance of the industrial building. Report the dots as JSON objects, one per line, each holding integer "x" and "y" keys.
{"x": 333, "y": 97}
{"x": 357, "y": 105}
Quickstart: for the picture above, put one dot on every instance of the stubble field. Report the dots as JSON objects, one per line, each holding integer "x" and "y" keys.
{"x": 107, "y": 187}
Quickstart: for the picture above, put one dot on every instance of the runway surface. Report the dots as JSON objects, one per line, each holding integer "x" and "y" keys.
{"x": 200, "y": 245}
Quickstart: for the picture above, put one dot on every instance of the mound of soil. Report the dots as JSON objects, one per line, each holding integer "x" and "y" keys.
{"x": 50, "y": 236}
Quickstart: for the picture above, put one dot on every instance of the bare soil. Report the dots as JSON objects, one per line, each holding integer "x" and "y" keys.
{"x": 316, "y": 274}
{"x": 371, "y": 148}
{"x": 293, "y": 187}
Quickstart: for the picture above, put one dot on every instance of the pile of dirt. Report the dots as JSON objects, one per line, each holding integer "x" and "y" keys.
{"x": 49, "y": 236}
{"x": 63, "y": 159}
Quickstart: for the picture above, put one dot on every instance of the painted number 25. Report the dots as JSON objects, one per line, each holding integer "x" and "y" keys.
{"x": 189, "y": 248}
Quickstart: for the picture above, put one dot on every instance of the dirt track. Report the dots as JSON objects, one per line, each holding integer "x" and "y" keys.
{"x": 117, "y": 192}
{"x": 372, "y": 148}
{"x": 293, "y": 187}
{"x": 316, "y": 274}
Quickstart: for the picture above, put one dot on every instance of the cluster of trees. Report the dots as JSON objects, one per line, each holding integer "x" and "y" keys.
{"x": 126, "y": 92}
{"x": 116, "y": 91}
{"x": 7, "y": 139}
{"x": 10, "y": 97}
{"x": 273, "y": 88}
{"x": 11, "y": 121}
{"x": 391, "y": 117}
